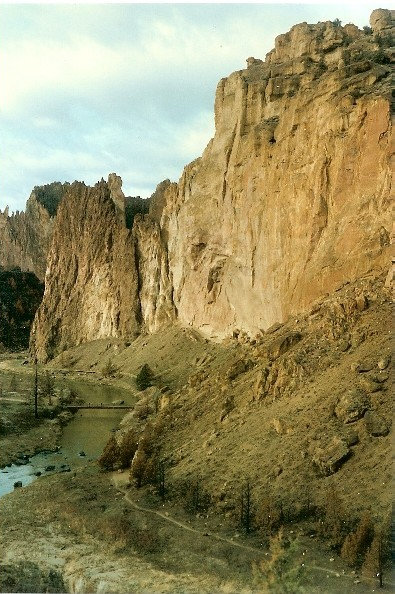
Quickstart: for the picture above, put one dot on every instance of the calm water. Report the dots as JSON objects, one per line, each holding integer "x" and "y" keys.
{"x": 87, "y": 433}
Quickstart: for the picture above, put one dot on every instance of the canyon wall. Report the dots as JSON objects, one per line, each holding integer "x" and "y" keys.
{"x": 25, "y": 237}
{"x": 289, "y": 201}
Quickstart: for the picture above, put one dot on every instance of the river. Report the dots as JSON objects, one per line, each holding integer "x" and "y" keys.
{"x": 83, "y": 438}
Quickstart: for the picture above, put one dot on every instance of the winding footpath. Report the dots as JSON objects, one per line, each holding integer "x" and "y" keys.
{"x": 231, "y": 542}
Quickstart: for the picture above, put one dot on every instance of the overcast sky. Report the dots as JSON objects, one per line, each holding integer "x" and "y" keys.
{"x": 91, "y": 89}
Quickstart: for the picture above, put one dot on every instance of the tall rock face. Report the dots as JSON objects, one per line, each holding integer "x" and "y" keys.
{"x": 289, "y": 201}
{"x": 102, "y": 279}
{"x": 25, "y": 236}
{"x": 290, "y": 198}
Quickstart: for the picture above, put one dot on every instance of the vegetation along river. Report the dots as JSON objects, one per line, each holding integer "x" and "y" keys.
{"x": 83, "y": 438}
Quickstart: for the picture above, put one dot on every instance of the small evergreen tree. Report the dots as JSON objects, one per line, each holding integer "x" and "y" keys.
{"x": 333, "y": 525}
{"x": 337, "y": 23}
{"x": 144, "y": 378}
{"x": 138, "y": 470}
{"x": 269, "y": 516}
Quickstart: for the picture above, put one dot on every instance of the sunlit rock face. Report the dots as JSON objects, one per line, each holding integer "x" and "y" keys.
{"x": 289, "y": 201}
{"x": 290, "y": 198}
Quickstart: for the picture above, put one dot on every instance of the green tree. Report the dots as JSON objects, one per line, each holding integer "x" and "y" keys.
{"x": 144, "y": 378}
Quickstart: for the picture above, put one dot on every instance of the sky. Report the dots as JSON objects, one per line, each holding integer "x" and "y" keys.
{"x": 90, "y": 89}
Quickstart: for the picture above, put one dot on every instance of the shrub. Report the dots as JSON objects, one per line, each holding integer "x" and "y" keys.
{"x": 279, "y": 573}
{"x": 48, "y": 387}
{"x": 144, "y": 378}
{"x": 333, "y": 525}
{"x": 356, "y": 543}
{"x": 109, "y": 370}
{"x": 195, "y": 498}
{"x": 378, "y": 554}
{"x": 110, "y": 455}
{"x": 337, "y": 23}
{"x": 269, "y": 516}
{"x": 127, "y": 449}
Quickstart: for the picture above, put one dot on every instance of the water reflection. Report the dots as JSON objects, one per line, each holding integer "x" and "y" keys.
{"x": 83, "y": 437}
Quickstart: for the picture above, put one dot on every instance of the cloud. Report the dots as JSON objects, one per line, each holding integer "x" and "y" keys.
{"x": 89, "y": 89}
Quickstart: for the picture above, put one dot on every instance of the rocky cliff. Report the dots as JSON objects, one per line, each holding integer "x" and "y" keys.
{"x": 289, "y": 201}
{"x": 25, "y": 236}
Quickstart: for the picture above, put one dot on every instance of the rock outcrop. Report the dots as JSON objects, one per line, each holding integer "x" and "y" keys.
{"x": 289, "y": 201}
{"x": 25, "y": 236}
{"x": 102, "y": 278}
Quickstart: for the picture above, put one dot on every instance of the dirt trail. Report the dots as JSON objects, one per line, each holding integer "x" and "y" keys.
{"x": 186, "y": 527}
{"x": 231, "y": 542}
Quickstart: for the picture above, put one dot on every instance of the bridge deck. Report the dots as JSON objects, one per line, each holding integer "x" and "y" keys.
{"x": 103, "y": 406}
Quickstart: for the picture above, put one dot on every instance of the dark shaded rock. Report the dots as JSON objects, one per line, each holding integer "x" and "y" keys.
{"x": 238, "y": 368}
{"x": 276, "y": 326}
{"x": 362, "y": 367}
{"x": 352, "y": 406}
{"x": 17, "y": 484}
{"x": 380, "y": 377}
{"x": 49, "y": 468}
{"x": 82, "y": 453}
{"x": 329, "y": 459}
{"x": 351, "y": 438}
{"x": 369, "y": 385}
{"x": 282, "y": 344}
{"x": 376, "y": 425}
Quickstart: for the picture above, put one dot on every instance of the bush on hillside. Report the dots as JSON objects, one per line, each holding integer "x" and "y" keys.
{"x": 144, "y": 378}
{"x": 111, "y": 454}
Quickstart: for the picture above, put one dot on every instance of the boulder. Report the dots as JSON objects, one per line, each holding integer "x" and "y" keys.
{"x": 239, "y": 367}
{"x": 49, "y": 468}
{"x": 351, "y": 406}
{"x": 329, "y": 459}
{"x": 376, "y": 425}
{"x": 380, "y": 377}
{"x": 282, "y": 344}
{"x": 17, "y": 484}
{"x": 384, "y": 362}
{"x": 280, "y": 426}
{"x": 369, "y": 385}
{"x": 362, "y": 367}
